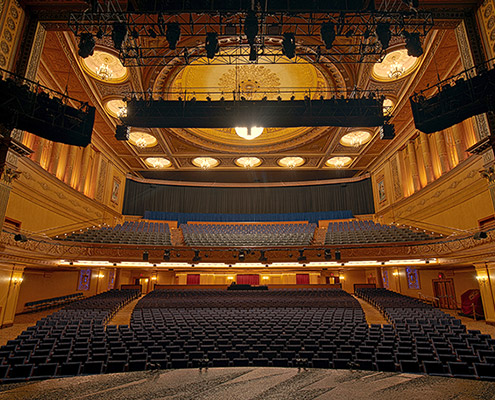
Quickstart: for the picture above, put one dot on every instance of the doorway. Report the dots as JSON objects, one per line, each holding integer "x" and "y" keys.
{"x": 443, "y": 289}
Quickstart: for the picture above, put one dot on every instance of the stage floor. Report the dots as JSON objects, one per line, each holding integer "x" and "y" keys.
{"x": 250, "y": 383}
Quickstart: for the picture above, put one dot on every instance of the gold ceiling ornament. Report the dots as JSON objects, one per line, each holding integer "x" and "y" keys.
{"x": 157, "y": 162}
{"x": 338, "y": 162}
{"x": 355, "y": 138}
{"x": 388, "y": 106}
{"x": 205, "y": 162}
{"x": 105, "y": 67}
{"x": 291, "y": 162}
{"x": 396, "y": 65}
{"x": 116, "y": 108}
{"x": 248, "y": 162}
{"x": 142, "y": 139}
{"x": 249, "y": 133}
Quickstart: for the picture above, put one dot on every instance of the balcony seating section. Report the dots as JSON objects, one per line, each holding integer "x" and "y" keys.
{"x": 44, "y": 304}
{"x": 61, "y": 343}
{"x": 431, "y": 341}
{"x": 355, "y": 232}
{"x": 249, "y": 234}
{"x": 137, "y": 232}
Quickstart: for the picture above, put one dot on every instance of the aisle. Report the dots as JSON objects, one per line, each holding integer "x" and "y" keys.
{"x": 123, "y": 316}
{"x": 373, "y": 316}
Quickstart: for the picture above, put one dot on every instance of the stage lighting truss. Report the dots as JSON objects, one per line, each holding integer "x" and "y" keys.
{"x": 355, "y": 35}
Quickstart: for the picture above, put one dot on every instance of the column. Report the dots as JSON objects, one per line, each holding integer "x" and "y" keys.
{"x": 379, "y": 277}
{"x": 413, "y": 163}
{"x": 442, "y": 152}
{"x": 425, "y": 149}
{"x": 71, "y": 155}
{"x": 84, "y": 168}
{"x": 459, "y": 142}
{"x": 485, "y": 274}
{"x": 94, "y": 175}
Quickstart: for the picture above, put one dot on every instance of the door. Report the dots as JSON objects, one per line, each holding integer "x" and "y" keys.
{"x": 443, "y": 289}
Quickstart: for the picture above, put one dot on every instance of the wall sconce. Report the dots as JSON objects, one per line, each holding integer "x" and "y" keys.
{"x": 341, "y": 277}
{"x": 482, "y": 278}
{"x": 16, "y": 280}
{"x": 265, "y": 278}
{"x": 153, "y": 278}
{"x": 230, "y": 278}
{"x": 146, "y": 280}
{"x": 395, "y": 273}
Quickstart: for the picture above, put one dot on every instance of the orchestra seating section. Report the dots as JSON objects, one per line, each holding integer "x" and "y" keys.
{"x": 350, "y": 232}
{"x": 248, "y": 234}
{"x": 44, "y": 304}
{"x": 428, "y": 340}
{"x": 69, "y": 342}
{"x": 142, "y": 232}
{"x": 184, "y": 328}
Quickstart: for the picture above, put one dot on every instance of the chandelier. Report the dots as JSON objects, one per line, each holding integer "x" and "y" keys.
{"x": 249, "y": 133}
{"x": 396, "y": 70}
{"x": 158, "y": 162}
{"x": 205, "y": 162}
{"x": 141, "y": 142}
{"x": 122, "y": 113}
{"x": 103, "y": 72}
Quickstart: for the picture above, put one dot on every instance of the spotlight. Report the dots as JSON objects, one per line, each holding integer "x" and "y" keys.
{"x": 122, "y": 132}
{"x": 262, "y": 256}
{"x": 211, "y": 44}
{"x": 186, "y": 56}
{"x": 119, "y": 34}
{"x": 327, "y": 33}
{"x": 387, "y": 132}
{"x": 383, "y": 33}
{"x": 100, "y": 34}
{"x": 253, "y": 55}
{"x": 251, "y": 27}
{"x": 337, "y": 254}
{"x": 146, "y": 256}
{"x": 328, "y": 254}
{"x": 166, "y": 255}
{"x": 301, "y": 257}
{"x": 173, "y": 34}
{"x": 86, "y": 45}
{"x": 289, "y": 45}
{"x": 22, "y": 238}
{"x": 413, "y": 44}
{"x": 161, "y": 25}
{"x": 135, "y": 33}
{"x": 152, "y": 33}
{"x": 477, "y": 236}
{"x": 196, "y": 257}
{"x": 242, "y": 256}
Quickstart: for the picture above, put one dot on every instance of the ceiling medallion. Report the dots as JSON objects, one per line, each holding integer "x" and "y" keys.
{"x": 105, "y": 67}
{"x": 395, "y": 65}
{"x": 291, "y": 162}
{"x": 249, "y": 133}
{"x": 355, "y": 138}
{"x": 338, "y": 162}
{"x": 142, "y": 139}
{"x": 116, "y": 108}
{"x": 205, "y": 162}
{"x": 157, "y": 162}
{"x": 248, "y": 162}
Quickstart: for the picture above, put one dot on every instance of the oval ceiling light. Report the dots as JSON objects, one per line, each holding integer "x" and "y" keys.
{"x": 388, "y": 106}
{"x": 116, "y": 108}
{"x": 248, "y": 162}
{"x": 105, "y": 67}
{"x": 205, "y": 162}
{"x": 338, "y": 162}
{"x": 291, "y": 162}
{"x": 157, "y": 162}
{"x": 396, "y": 65}
{"x": 142, "y": 139}
{"x": 249, "y": 133}
{"x": 355, "y": 138}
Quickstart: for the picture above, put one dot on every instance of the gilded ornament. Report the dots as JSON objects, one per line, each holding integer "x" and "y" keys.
{"x": 14, "y": 12}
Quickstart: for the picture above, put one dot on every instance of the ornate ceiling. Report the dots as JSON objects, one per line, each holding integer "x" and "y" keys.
{"x": 62, "y": 68}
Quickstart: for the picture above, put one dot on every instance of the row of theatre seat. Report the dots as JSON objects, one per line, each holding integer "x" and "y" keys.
{"x": 248, "y": 234}
{"x": 44, "y": 304}
{"x": 320, "y": 328}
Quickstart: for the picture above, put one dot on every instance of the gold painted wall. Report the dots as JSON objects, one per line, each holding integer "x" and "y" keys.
{"x": 10, "y": 283}
{"x": 41, "y": 202}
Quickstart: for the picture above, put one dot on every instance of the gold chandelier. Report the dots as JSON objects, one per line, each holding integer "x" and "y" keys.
{"x": 249, "y": 133}
{"x": 104, "y": 72}
{"x": 396, "y": 70}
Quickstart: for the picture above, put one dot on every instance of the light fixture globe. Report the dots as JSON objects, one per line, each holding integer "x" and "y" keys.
{"x": 142, "y": 139}
{"x": 291, "y": 162}
{"x": 338, "y": 162}
{"x": 157, "y": 162}
{"x": 355, "y": 138}
{"x": 249, "y": 133}
{"x": 205, "y": 162}
{"x": 248, "y": 162}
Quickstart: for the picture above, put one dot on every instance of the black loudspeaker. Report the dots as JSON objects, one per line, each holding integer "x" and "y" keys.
{"x": 387, "y": 132}
{"x": 122, "y": 132}
{"x": 145, "y": 256}
{"x": 337, "y": 254}
{"x": 480, "y": 235}
{"x": 23, "y": 238}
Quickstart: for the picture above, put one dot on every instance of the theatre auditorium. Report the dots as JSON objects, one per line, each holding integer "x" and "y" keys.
{"x": 247, "y": 199}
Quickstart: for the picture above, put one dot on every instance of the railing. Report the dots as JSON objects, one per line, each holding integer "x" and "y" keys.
{"x": 434, "y": 301}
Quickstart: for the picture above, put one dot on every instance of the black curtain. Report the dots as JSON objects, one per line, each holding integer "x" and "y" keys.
{"x": 354, "y": 196}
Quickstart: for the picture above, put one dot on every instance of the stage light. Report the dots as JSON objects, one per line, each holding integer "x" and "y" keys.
{"x": 122, "y": 132}
{"x": 253, "y": 55}
{"x": 327, "y": 33}
{"x": 146, "y": 256}
{"x": 301, "y": 257}
{"x": 211, "y": 44}
{"x": 413, "y": 44}
{"x": 387, "y": 132}
{"x": 100, "y": 33}
{"x": 135, "y": 33}
{"x": 152, "y": 33}
{"x": 196, "y": 257}
{"x": 22, "y": 238}
{"x": 262, "y": 256}
{"x": 242, "y": 256}
{"x": 186, "y": 56}
{"x": 86, "y": 45}
{"x": 337, "y": 254}
{"x": 383, "y": 33}
{"x": 173, "y": 35}
{"x": 251, "y": 27}
{"x": 119, "y": 34}
{"x": 480, "y": 235}
{"x": 289, "y": 45}
{"x": 328, "y": 254}
{"x": 166, "y": 255}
